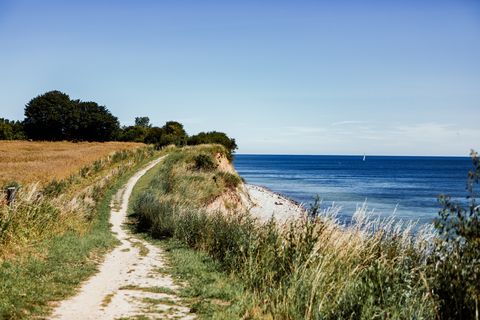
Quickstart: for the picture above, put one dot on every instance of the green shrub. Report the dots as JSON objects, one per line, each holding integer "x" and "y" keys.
{"x": 455, "y": 266}
{"x": 205, "y": 162}
{"x": 215, "y": 137}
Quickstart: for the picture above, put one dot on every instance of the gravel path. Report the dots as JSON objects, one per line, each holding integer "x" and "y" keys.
{"x": 130, "y": 282}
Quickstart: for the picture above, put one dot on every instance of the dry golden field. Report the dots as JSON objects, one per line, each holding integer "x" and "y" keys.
{"x": 25, "y": 161}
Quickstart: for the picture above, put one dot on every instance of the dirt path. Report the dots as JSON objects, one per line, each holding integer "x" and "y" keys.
{"x": 130, "y": 282}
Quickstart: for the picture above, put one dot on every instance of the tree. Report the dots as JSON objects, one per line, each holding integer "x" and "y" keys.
{"x": 54, "y": 116}
{"x": 214, "y": 137}
{"x": 11, "y": 130}
{"x": 154, "y": 135}
{"x": 173, "y": 133}
{"x": 6, "y": 132}
{"x": 95, "y": 123}
{"x": 142, "y": 122}
{"x": 47, "y": 116}
{"x": 133, "y": 133}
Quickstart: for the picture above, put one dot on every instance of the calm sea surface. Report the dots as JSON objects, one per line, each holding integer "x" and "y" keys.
{"x": 410, "y": 184}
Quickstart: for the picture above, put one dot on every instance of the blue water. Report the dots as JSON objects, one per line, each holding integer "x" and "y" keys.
{"x": 409, "y": 184}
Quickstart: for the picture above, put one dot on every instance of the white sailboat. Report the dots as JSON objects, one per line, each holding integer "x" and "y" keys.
{"x": 364, "y": 157}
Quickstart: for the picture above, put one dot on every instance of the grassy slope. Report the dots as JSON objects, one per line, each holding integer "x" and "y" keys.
{"x": 29, "y": 285}
{"x": 210, "y": 292}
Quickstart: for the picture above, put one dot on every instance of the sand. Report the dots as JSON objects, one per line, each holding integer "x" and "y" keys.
{"x": 267, "y": 204}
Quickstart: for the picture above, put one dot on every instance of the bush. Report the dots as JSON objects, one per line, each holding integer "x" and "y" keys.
{"x": 214, "y": 137}
{"x": 455, "y": 266}
{"x": 205, "y": 162}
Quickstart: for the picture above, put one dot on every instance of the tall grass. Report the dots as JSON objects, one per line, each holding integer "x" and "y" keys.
{"x": 52, "y": 240}
{"x": 311, "y": 268}
{"x": 40, "y": 213}
{"x": 308, "y": 269}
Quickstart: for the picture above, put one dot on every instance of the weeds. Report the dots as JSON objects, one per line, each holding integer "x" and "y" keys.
{"x": 205, "y": 162}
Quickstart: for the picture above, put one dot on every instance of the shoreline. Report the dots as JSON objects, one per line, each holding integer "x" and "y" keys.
{"x": 268, "y": 204}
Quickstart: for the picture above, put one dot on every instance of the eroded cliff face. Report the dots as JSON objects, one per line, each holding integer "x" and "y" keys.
{"x": 235, "y": 199}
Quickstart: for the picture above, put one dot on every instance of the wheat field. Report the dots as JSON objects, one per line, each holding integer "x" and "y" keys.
{"x": 26, "y": 161}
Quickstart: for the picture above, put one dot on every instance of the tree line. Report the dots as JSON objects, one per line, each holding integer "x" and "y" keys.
{"x": 54, "y": 116}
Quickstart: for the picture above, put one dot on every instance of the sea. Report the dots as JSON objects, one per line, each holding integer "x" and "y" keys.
{"x": 407, "y": 187}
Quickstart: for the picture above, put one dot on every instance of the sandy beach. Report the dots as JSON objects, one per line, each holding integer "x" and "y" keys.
{"x": 268, "y": 204}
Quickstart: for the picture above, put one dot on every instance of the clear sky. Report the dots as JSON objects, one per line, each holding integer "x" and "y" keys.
{"x": 308, "y": 77}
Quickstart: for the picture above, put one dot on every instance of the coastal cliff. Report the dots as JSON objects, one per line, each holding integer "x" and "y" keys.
{"x": 260, "y": 202}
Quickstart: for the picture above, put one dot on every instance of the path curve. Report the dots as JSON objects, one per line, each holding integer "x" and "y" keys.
{"x": 130, "y": 282}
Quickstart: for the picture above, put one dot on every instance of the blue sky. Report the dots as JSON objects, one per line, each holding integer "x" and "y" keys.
{"x": 308, "y": 77}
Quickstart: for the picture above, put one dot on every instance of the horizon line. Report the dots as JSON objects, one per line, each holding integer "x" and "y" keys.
{"x": 351, "y": 155}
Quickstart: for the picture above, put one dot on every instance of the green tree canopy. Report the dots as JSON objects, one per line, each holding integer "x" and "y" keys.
{"x": 47, "y": 116}
{"x": 133, "y": 133}
{"x": 142, "y": 122}
{"x": 95, "y": 123}
{"x": 11, "y": 130}
{"x": 54, "y": 116}
{"x": 154, "y": 135}
{"x": 172, "y": 133}
{"x": 214, "y": 137}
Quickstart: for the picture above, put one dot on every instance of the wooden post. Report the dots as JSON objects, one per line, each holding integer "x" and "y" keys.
{"x": 11, "y": 192}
